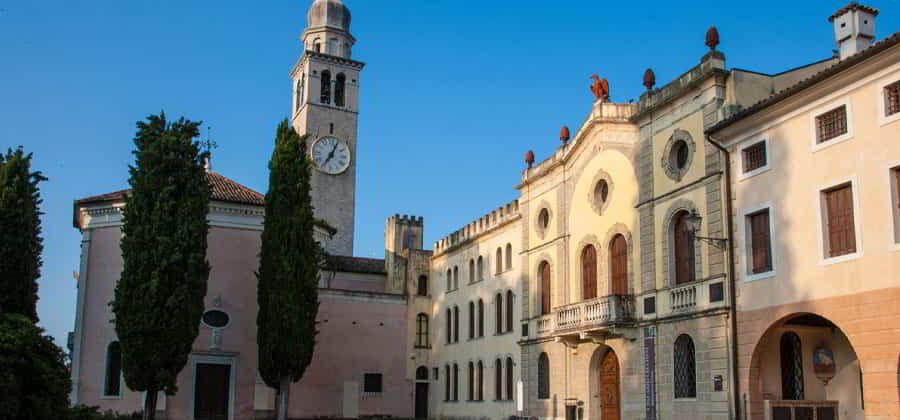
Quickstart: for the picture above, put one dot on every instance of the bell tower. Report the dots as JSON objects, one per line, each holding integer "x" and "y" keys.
{"x": 325, "y": 108}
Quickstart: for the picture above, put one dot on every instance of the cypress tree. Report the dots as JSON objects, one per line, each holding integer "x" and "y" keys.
{"x": 288, "y": 277}
{"x": 158, "y": 300}
{"x": 20, "y": 234}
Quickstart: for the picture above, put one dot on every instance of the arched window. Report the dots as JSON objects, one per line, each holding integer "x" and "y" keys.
{"x": 498, "y": 380}
{"x": 509, "y": 378}
{"x": 471, "y": 395}
{"x": 471, "y": 320}
{"x": 683, "y": 242}
{"x": 618, "y": 266}
{"x": 449, "y": 280}
{"x": 422, "y": 331}
{"x": 112, "y": 385}
{"x": 509, "y": 310}
{"x": 545, "y": 288}
{"x": 685, "y": 368}
{"x": 479, "y": 385}
{"x": 588, "y": 273}
{"x": 455, "y": 382}
{"x": 480, "y": 267}
{"x": 301, "y": 85}
{"x": 317, "y": 45}
{"x": 498, "y": 305}
{"x": 422, "y": 286}
{"x": 449, "y": 326}
{"x": 340, "y": 83}
{"x": 471, "y": 271}
{"x": 326, "y": 87}
{"x": 791, "y": 367}
{"x": 498, "y": 263}
{"x": 509, "y": 256}
{"x": 456, "y": 324}
{"x": 447, "y": 383}
{"x": 422, "y": 373}
{"x": 455, "y": 277}
{"x": 480, "y": 318}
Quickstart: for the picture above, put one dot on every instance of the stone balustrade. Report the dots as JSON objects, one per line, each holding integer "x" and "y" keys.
{"x": 588, "y": 315}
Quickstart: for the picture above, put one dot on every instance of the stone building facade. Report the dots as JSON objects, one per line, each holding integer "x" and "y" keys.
{"x": 616, "y": 286}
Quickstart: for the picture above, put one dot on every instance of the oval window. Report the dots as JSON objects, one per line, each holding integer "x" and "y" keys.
{"x": 601, "y": 192}
{"x": 678, "y": 158}
{"x": 544, "y": 218}
{"x": 216, "y": 318}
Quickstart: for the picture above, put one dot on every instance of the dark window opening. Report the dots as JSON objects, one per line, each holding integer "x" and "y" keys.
{"x": 892, "y": 99}
{"x": 760, "y": 242}
{"x": 326, "y": 87}
{"x": 339, "y": 89}
{"x": 685, "y": 368}
{"x": 791, "y": 367}
{"x": 372, "y": 383}
{"x": 113, "y": 384}
{"x": 755, "y": 156}
{"x": 543, "y": 376}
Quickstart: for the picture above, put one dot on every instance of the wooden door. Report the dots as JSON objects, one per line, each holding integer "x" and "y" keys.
{"x": 421, "y": 400}
{"x": 211, "y": 391}
{"x": 609, "y": 387}
{"x": 618, "y": 250}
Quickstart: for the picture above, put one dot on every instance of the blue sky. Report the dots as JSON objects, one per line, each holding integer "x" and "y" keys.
{"x": 454, "y": 92}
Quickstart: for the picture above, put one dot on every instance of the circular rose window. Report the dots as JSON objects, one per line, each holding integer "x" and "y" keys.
{"x": 216, "y": 318}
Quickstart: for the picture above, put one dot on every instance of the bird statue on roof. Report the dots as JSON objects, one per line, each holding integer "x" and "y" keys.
{"x": 712, "y": 38}
{"x": 600, "y": 88}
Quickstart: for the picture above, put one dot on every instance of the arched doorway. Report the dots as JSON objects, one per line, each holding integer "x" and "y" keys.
{"x": 805, "y": 365}
{"x": 610, "y": 400}
{"x": 421, "y": 408}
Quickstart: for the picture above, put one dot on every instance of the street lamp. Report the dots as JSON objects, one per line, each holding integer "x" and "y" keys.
{"x": 695, "y": 222}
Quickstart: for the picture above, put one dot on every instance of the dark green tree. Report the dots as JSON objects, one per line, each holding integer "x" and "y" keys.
{"x": 20, "y": 234}
{"x": 288, "y": 277}
{"x": 34, "y": 383}
{"x": 158, "y": 300}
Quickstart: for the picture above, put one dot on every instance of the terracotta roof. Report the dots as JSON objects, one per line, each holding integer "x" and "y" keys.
{"x": 355, "y": 264}
{"x": 221, "y": 189}
{"x": 853, "y": 6}
{"x": 834, "y": 69}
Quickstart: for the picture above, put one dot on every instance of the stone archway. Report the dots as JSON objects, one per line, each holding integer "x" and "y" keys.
{"x": 605, "y": 385}
{"x": 784, "y": 379}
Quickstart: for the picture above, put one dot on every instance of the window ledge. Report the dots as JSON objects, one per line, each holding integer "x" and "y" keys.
{"x": 841, "y": 259}
{"x": 831, "y": 142}
{"x": 885, "y": 120}
{"x": 759, "y": 276}
{"x": 758, "y": 171}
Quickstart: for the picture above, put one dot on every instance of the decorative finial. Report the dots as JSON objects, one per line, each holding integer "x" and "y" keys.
{"x": 600, "y": 88}
{"x": 529, "y": 158}
{"x": 712, "y": 38}
{"x": 208, "y": 145}
{"x": 649, "y": 79}
{"x": 564, "y": 135}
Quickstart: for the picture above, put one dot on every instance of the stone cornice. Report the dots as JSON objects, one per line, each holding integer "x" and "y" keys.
{"x": 328, "y": 58}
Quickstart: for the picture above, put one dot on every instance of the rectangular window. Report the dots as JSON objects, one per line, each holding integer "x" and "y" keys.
{"x": 840, "y": 230}
{"x": 831, "y": 124}
{"x": 372, "y": 383}
{"x": 754, "y": 157}
{"x": 891, "y": 99}
{"x": 760, "y": 242}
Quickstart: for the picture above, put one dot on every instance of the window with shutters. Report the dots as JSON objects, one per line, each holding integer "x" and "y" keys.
{"x": 683, "y": 252}
{"x": 839, "y": 224}
{"x": 831, "y": 124}
{"x": 755, "y": 157}
{"x": 589, "y": 273}
{"x": 509, "y": 310}
{"x": 618, "y": 266}
{"x": 895, "y": 204}
{"x": 892, "y": 99}
{"x": 759, "y": 245}
{"x": 543, "y": 373}
{"x": 791, "y": 367}
{"x": 422, "y": 331}
{"x": 685, "y": 374}
{"x": 545, "y": 288}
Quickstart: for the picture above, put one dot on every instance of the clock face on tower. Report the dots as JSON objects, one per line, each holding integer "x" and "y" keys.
{"x": 331, "y": 155}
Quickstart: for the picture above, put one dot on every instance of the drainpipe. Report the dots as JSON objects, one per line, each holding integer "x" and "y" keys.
{"x": 729, "y": 222}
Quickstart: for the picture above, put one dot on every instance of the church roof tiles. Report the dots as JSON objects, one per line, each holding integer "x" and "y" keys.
{"x": 220, "y": 189}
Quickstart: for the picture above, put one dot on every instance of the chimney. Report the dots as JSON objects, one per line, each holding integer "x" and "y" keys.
{"x": 854, "y": 28}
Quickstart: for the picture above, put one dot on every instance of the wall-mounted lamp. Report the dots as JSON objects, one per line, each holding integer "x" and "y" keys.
{"x": 695, "y": 222}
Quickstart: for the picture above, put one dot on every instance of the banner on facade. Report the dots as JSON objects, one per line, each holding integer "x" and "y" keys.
{"x": 650, "y": 373}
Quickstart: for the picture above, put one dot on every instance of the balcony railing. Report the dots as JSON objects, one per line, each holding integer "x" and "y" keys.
{"x": 801, "y": 410}
{"x": 703, "y": 295}
{"x": 584, "y": 316}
